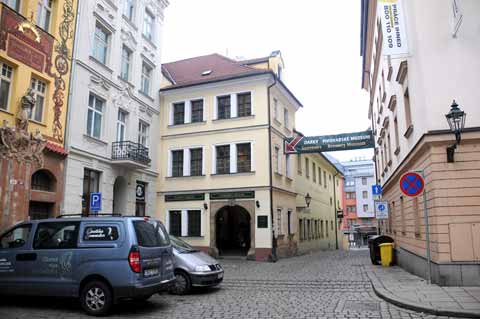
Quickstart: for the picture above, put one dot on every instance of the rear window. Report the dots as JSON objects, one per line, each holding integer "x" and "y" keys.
{"x": 150, "y": 233}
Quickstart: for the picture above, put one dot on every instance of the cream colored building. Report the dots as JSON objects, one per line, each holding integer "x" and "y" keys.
{"x": 319, "y": 179}
{"x": 409, "y": 97}
{"x": 224, "y": 183}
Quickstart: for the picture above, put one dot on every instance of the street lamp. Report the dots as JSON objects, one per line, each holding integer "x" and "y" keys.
{"x": 308, "y": 199}
{"x": 456, "y": 121}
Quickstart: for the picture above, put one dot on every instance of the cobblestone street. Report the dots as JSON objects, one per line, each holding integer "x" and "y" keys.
{"x": 318, "y": 285}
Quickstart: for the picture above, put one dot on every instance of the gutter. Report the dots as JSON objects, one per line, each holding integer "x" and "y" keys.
{"x": 274, "y": 257}
{"x": 335, "y": 210}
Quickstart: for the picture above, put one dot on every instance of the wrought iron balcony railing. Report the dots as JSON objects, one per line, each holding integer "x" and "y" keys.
{"x": 130, "y": 151}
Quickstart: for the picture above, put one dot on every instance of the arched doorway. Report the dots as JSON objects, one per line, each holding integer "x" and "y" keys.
{"x": 233, "y": 232}
{"x": 43, "y": 182}
{"x": 120, "y": 195}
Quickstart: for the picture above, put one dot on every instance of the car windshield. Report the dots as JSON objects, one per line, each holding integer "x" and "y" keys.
{"x": 182, "y": 246}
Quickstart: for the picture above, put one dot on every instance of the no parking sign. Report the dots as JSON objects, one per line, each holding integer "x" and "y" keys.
{"x": 412, "y": 184}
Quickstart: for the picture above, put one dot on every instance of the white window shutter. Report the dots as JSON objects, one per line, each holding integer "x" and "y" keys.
{"x": 169, "y": 164}
{"x": 186, "y": 162}
{"x": 233, "y": 105}
{"x": 252, "y": 157}
{"x": 233, "y": 158}
{"x": 215, "y": 108}
{"x": 203, "y": 160}
{"x": 188, "y": 111}
{"x": 184, "y": 222}
{"x": 167, "y": 221}
{"x": 170, "y": 115}
{"x": 202, "y": 222}
{"x": 214, "y": 159}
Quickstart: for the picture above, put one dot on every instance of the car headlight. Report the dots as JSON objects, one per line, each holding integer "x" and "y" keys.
{"x": 202, "y": 268}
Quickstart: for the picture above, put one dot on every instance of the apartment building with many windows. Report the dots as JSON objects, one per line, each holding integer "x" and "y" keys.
{"x": 114, "y": 113}
{"x": 410, "y": 94}
{"x": 225, "y": 184}
{"x": 35, "y": 66}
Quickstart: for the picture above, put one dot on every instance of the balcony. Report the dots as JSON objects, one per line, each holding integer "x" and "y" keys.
{"x": 130, "y": 154}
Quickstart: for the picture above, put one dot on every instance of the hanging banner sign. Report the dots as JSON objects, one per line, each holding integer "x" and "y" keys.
{"x": 393, "y": 26}
{"x": 329, "y": 143}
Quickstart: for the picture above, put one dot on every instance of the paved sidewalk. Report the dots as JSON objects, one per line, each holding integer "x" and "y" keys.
{"x": 412, "y": 292}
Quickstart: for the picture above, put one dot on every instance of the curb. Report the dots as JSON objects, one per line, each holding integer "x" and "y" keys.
{"x": 391, "y": 298}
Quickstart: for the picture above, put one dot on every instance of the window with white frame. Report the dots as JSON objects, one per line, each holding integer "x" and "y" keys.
{"x": 223, "y": 107}
{"x": 365, "y": 208}
{"x": 129, "y": 9}
{"x": 94, "y": 116}
{"x": 196, "y": 161}
{"x": 290, "y": 229}
{"x": 6, "y": 77}
{"x": 233, "y": 158}
{"x": 178, "y": 113}
{"x": 177, "y": 163}
{"x": 285, "y": 117}
{"x": 148, "y": 25}
{"x": 288, "y": 164}
{"x": 233, "y": 105}
{"x": 314, "y": 172}
{"x": 277, "y": 159}
{"x": 365, "y": 194}
{"x": 186, "y": 162}
{"x": 185, "y": 223}
{"x": 307, "y": 168}
{"x": 244, "y": 158}
{"x": 39, "y": 89}
{"x": 244, "y": 104}
{"x": 146, "y": 78}
{"x": 101, "y": 43}
{"x": 44, "y": 14}
{"x": 197, "y": 111}
{"x": 143, "y": 130}
{"x": 121, "y": 125}
{"x": 320, "y": 175}
{"x": 126, "y": 62}
{"x": 275, "y": 109}
{"x": 14, "y": 4}
{"x": 222, "y": 159}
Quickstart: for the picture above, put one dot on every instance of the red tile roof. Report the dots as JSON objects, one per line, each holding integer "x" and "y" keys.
{"x": 55, "y": 148}
{"x": 189, "y": 71}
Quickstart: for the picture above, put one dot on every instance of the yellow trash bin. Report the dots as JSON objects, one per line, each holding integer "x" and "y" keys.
{"x": 386, "y": 254}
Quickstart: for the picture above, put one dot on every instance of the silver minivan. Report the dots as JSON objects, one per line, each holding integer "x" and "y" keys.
{"x": 193, "y": 268}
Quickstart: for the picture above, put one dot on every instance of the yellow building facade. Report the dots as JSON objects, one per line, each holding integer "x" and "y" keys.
{"x": 36, "y": 43}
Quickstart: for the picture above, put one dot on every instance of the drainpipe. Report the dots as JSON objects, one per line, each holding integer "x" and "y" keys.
{"x": 335, "y": 209}
{"x": 270, "y": 175}
{"x": 71, "y": 80}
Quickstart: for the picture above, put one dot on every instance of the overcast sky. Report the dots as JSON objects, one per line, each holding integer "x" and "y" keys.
{"x": 319, "y": 41}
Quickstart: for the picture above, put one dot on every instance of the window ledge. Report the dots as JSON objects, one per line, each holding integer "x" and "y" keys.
{"x": 240, "y": 173}
{"x": 185, "y": 176}
{"x": 130, "y": 22}
{"x": 126, "y": 81}
{"x": 289, "y": 178}
{"x": 146, "y": 95}
{"x": 149, "y": 41}
{"x": 6, "y": 112}
{"x": 277, "y": 122}
{"x": 286, "y": 129}
{"x": 397, "y": 151}
{"x": 235, "y": 118}
{"x": 409, "y": 131}
{"x": 104, "y": 66}
{"x": 278, "y": 174}
{"x": 37, "y": 122}
{"x": 187, "y": 124}
{"x": 94, "y": 139}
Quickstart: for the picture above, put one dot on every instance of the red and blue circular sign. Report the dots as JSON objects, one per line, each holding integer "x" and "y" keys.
{"x": 412, "y": 184}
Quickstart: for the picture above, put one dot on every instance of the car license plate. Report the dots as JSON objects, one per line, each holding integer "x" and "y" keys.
{"x": 220, "y": 275}
{"x": 150, "y": 272}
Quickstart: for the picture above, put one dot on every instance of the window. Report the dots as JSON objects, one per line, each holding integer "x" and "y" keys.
{"x": 194, "y": 223}
{"x": 397, "y": 140}
{"x": 56, "y": 235}
{"x": 148, "y": 27}
{"x": 299, "y": 164}
{"x": 408, "y": 111}
{"x": 100, "y": 233}
{"x": 5, "y": 85}
{"x": 223, "y": 104}
{"x": 177, "y": 163}
{"x": 319, "y": 176}
{"x": 41, "y": 181}
{"x": 44, "y": 13}
{"x": 324, "y": 179}
{"x": 16, "y": 238}
{"x": 244, "y": 103}
{"x": 309, "y": 234}
{"x": 244, "y": 158}
{"x": 326, "y": 228}
{"x": 178, "y": 113}
{"x": 129, "y": 9}
{"x": 146, "y": 78}
{"x": 389, "y": 148}
{"x": 91, "y": 182}
{"x": 14, "y": 4}
{"x": 351, "y": 209}
{"x": 350, "y": 195}
{"x": 365, "y": 208}
{"x": 197, "y": 111}
{"x": 402, "y": 215}
{"x": 143, "y": 129}
{"x": 307, "y": 168}
{"x": 175, "y": 222}
{"x": 288, "y": 169}
{"x": 223, "y": 159}
{"x": 314, "y": 172}
{"x": 289, "y": 219}
{"x": 364, "y": 181}
{"x": 121, "y": 125}
{"x": 39, "y": 89}
{"x": 285, "y": 117}
{"x": 150, "y": 233}
{"x": 275, "y": 109}
{"x": 94, "y": 116}
{"x": 321, "y": 229}
{"x": 196, "y": 161}
{"x": 100, "y": 47}
{"x": 364, "y": 194}
{"x": 277, "y": 159}
{"x": 126, "y": 62}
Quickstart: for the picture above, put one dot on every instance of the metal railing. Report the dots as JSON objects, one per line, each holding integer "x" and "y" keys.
{"x": 130, "y": 151}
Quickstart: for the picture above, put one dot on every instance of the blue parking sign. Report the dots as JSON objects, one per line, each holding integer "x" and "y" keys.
{"x": 95, "y": 202}
{"x": 376, "y": 189}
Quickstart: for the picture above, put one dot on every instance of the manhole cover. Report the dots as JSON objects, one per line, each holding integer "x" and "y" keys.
{"x": 361, "y": 306}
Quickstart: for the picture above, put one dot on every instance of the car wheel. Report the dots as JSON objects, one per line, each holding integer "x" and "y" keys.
{"x": 182, "y": 283}
{"x": 96, "y": 298}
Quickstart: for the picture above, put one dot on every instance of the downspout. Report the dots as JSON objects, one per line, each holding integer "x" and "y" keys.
{"x": 335, "y": 209}
{"x": 270, "y": 175}
{"x": 71, "y": 80}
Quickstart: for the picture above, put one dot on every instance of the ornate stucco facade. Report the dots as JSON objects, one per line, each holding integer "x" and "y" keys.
{"x": 36, "y": 43}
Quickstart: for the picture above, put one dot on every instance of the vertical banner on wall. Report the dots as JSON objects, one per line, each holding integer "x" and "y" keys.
{"x": 393, "y": 26}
